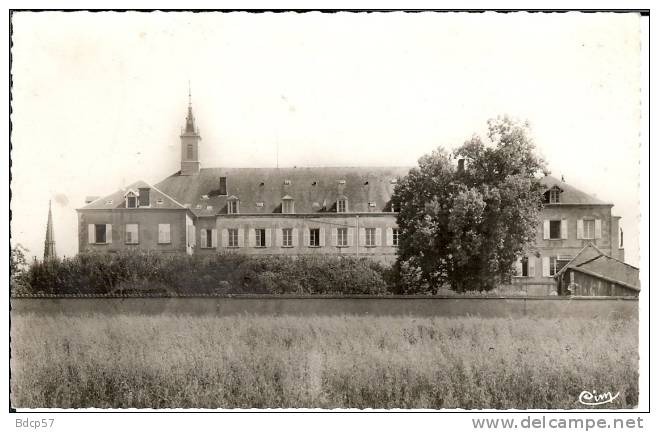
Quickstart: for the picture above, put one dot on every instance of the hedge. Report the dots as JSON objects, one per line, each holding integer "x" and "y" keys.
{"x": 128, "y": 273}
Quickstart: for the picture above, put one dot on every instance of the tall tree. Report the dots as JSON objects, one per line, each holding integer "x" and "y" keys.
{"x": 464, "y": 225}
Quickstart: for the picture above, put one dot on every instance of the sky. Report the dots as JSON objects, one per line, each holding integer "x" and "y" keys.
{"x": 99, "y": 99}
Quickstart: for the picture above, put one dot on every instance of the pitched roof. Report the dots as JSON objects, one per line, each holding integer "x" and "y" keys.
{"x": 570, "y": 194}
{"x": 591, "y": 260}
{"x": 117, "y": 200}
{"x": 314, "y": 189}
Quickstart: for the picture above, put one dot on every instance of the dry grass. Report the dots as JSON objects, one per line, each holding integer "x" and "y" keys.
{"x": 364, "y": 362}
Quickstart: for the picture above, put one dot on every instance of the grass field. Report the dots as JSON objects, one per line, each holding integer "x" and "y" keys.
{"x": 179, "y": 361}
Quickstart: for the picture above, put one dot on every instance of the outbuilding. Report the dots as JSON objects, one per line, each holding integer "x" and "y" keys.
{"x": 593, "y": 273}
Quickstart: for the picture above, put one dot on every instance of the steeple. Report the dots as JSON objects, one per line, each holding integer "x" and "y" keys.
{"x": 49, "y": 246}
{"x": 190, "y": 143}
{"x": 189, "y": 120}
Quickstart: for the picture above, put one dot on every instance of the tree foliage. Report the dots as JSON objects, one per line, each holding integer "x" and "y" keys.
{"x": 465, "y": 228}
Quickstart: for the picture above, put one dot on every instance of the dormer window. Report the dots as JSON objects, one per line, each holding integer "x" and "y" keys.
{"x": 233, "y": 205}
{"x": 131, "y": 199}
{"x": 144, "y": 197}
{"x": 342, "y": 205}
{"x": 287, "y": 182}
{"x": 553, "y": 195}
{"x": 288, "y": 205}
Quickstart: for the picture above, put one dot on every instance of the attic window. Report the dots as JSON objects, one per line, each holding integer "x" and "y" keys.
{"x": 108, "y": 202}
{"x": 314, "y": 183}
{"x": 259, "y": 204}
{"x": 371, "y": 204}
{"x": 144, "y": 197}
{"x": 393, "y": 181}
{"x": 262, "y": 184}
{"x": 223, "y": 185}
{"x": 554, "y": 195}
{"x": 342, "y": 182}
{"x": 131, "y": 199}
{"x": 160, "y": 201}
{"x": 366, "y": 183}
{"x": 287, "y": 182}
{"x": 233, "y": 205}
{"x": 287, "y": 205}
{"x": 342, "y": 205}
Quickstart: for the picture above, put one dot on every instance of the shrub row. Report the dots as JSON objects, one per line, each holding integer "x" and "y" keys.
{"x": 129, "y": 273}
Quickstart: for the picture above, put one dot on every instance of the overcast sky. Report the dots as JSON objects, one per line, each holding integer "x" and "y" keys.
{"x": 99, "y": 98}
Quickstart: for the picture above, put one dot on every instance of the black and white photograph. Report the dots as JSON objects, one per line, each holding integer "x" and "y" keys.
{"x": 329, "y": 211}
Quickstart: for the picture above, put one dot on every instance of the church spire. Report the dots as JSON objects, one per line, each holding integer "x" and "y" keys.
{"x": 49, "y": 246}
{"x": 189, "y": 120}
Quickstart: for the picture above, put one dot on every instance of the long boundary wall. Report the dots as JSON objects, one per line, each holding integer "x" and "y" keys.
{"x": 427, "y": 306}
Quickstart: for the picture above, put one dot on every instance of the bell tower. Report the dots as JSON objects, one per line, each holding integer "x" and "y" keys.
{"x": 190, "y": 143}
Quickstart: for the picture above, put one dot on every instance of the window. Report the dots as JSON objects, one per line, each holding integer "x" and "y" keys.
{"x": 556, "y": 263}
{"x": 555, "y": 229}
{"x": 190, "y": 153}
{"x": 164, "y": 234}
{"x": 287, "y": 182}
{"x": 342, "y": 236}
{"x": 342, "y": 205}
{"x": 394, "y": 208}
{"x": 589, "y": 228}
{"x": 223, "y": 185}
{"x": 233, "y": 237}
{"x": 370, "y": 236}
{"x": 554, "y": 196}
{"x": 131, "y": 200}
{"x": 144, "y": 197}
{"x": 395, "y": 236}
{"x": 132, "y": 234}
{"x": 314, "y": 237}
{"x": 260, "y": 237}
{"x": 209, "y": 237}
{"x": 159, "y": 201}
{"x": 525, "y": 266}
{"x": 99, "y": 231}
{"x": 233, "y": 206}
{"x": 288, "y": 206}
{"x": 287, "y": 237}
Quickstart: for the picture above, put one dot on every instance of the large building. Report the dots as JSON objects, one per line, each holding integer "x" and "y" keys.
{"x": 295, "y": 211}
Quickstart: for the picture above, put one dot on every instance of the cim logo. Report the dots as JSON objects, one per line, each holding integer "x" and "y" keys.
{"x": 592, "y": 399}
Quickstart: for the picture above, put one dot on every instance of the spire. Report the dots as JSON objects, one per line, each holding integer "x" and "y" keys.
{"x": 49, "y": 246}
{"x": 189, "y": 120}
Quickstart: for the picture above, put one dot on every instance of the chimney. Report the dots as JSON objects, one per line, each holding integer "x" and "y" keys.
{"x": 461, "y": 165}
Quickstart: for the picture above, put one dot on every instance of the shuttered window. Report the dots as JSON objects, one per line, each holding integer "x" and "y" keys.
{"x": 132, "y": 234}
{"x": 342, "y": 236}
{"x": 314, "y": 237}
{"x": 164, "y": 233}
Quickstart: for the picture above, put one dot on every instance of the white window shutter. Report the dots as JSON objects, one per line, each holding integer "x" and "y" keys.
{"x": 545, "y": 234}
{"x": 579, "y": 229}
{"x": 598, "y": 228}
{"x": 204, "y": 239}
{"x": 251, "y": 237}
{"x": 378, "y": 236}
{"x": 279, "y": 233}
{"x": 241, "y": 237}
{"x": 545, "y": 266}
{"x": 532, "y": 266}
{"x": 390, "y": 236}
{"x": 305, "y": 236}
{"x": 334, "y": 236}
{"x": 295, "y": 237}
{"x": 322, "y": 237}
{"x": 268, "y": 237}
{"x": 225, "y": 237}
{"x": 351, "y": 236}
{"x": 108, "y": 233}
{"x": 214, "y": 238}
{"x": 518, "y": 267}
{"x": 161, "y": 233}
{"x": 362, "y": 236}
{"x": 564, "y": 229}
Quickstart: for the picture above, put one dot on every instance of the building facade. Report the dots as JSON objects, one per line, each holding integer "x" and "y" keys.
{"x": 308, "y": 210}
